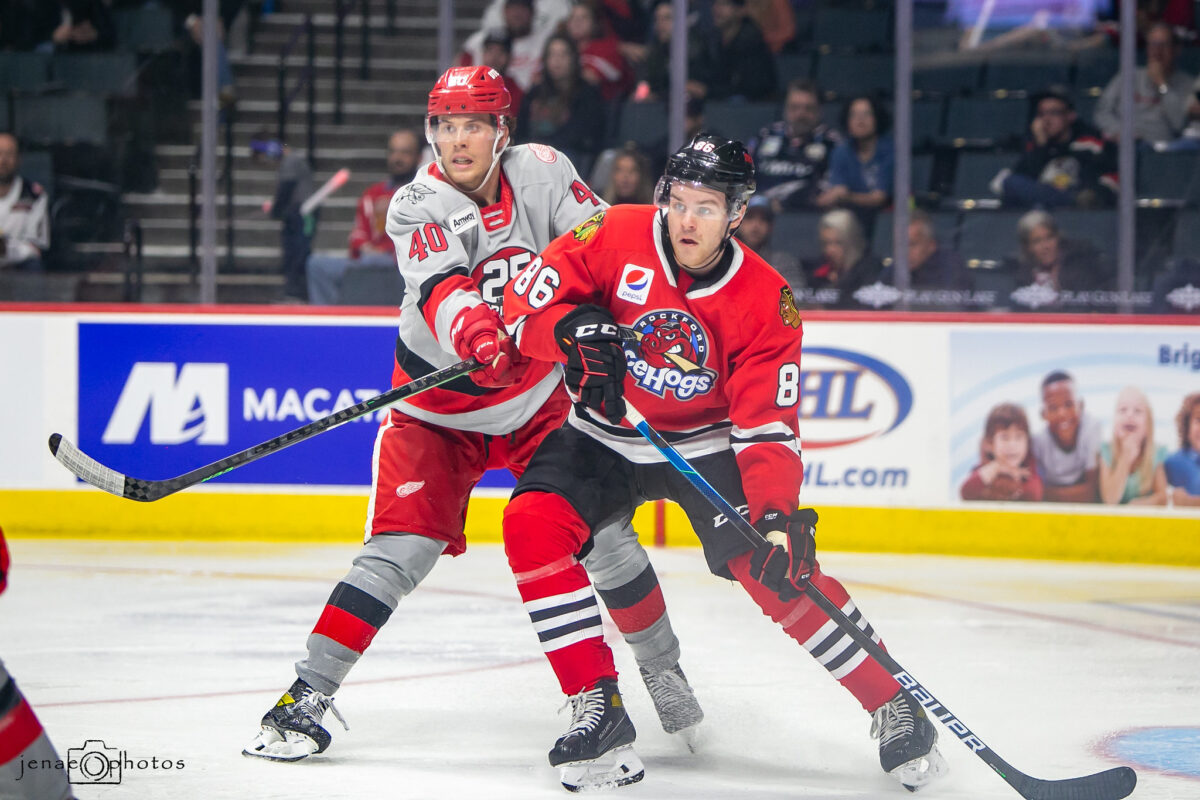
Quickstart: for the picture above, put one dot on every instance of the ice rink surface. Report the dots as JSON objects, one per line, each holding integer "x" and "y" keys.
{"x": 173, "y": 653}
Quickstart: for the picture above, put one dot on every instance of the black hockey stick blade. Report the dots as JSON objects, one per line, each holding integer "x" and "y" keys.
{"x": 1112, "y": 784}
{"x": 89, "y": 469}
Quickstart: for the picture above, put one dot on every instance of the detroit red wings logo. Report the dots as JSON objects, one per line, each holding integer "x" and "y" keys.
{"x": 672, "y": 349}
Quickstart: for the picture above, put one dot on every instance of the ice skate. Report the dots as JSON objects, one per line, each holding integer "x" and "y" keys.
{"x": 907, "y": 742}
{"x": 292, "y": 729}
{"x": 596, "y": 752}
{"x": 676, "y": 704}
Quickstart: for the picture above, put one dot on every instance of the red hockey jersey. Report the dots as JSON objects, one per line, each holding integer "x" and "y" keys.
{"x": 370, "y": 220}
{"x": 714, "y": 362}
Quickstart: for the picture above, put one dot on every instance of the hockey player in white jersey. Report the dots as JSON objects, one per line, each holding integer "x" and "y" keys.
{"x": 464, "y": 227}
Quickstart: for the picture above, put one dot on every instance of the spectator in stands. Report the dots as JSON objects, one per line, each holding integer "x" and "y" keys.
{"x": 529, "y": 27}
{"x": 1047, "y": 258}
{"x": 600, "y": 59}
{"x": 1183, "y": 466}
{"x": 1066, "y": 162}
{"x": 497, "y": 54}
{"x": 736, "y": 62}
{"x": 654, "y": 72}
{"x": 1005, "y": 470}
{"x": 293, "y": 186}
{"x": 562, "y": 109}
{"x": 755, "y": 232}
{"x": 777, "y": 21}
{"x": 84, "y": 25}
{"x": 791, "y": 156}
{"x": 630, "y": 180}
{"x": 861, "y": 167}
{"x": 1161, "y": 93}
{"x": 845, "y": 263}
{"x": 930, "y": 265}
{"x": 1131, "y": 464}
{"x": 1067, "y": 449}
{"x": 627, "y": 19}
{"x": 193, "y": 24}
{"x": 24, "y": 219}
{"x": 370, "y": 245}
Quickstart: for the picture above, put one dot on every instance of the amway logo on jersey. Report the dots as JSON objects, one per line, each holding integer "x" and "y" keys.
{"x": 847, "y": 397}
{"x": 671, "y": 351}
{"x": 193, "y": 406}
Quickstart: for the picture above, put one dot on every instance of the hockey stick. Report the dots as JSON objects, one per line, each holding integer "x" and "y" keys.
{"x": 147, "y": 491}
{"x": 1112, "y": 784}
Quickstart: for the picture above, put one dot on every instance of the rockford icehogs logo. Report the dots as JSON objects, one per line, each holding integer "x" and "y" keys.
{"x": 672, "y": 348}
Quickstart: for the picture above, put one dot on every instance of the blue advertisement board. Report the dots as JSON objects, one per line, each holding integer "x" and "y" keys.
{"x": 157, "y": 400}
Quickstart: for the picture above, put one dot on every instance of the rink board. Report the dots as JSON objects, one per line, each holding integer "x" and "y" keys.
{"x": 892, "y": 412}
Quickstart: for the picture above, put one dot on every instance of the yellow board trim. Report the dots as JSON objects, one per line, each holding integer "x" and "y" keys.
{"x": 220, "y": 516}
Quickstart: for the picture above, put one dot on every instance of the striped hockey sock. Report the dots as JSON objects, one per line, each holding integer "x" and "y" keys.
{"x": 800, "y": 619}
{"x": 343, "y": 632}
{"x": 25, "y": 750}
{"x": 640, "y": 613}
{"x": 542, "y": 533}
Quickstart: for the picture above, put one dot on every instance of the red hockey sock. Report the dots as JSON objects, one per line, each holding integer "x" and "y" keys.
{"x": 352, "y": 617}
{"x": 542, "y": 534}
{"x": 801, "y": 619}
{"x": 637, "y": 605}
{"x": 19, "y": 726}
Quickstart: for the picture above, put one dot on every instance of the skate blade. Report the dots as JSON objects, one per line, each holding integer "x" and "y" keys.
{"x": 921, "y": 772}
{"x": 273, "y": 747}
{"x": 691, "y": 736}
{"x": 618, "y": 767}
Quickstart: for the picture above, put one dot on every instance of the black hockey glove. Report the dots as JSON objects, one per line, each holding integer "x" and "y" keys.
{"x": 785, "y": 562}
{"x": 595, "y": 359}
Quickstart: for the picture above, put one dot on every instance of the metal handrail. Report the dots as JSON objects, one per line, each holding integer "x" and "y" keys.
{"x": 135, "y": 267}
{"x": 307, "y": 81}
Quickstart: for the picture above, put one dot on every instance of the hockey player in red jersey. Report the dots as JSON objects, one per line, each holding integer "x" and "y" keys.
{"x": 25, "y": 750}
{"x": 463, "y": 227}
{"x": 661, "y": 306}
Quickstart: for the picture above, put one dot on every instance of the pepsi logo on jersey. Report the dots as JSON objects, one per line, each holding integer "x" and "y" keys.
{"x": 635, "y": 284}
{"x": 670, "y": 354}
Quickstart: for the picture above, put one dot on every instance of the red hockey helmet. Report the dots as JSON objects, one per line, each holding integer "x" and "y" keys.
{"x": 470, "y": 90}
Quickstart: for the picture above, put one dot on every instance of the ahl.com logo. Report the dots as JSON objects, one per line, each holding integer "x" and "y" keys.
{"x": 847, "y": 397}
{"x": 193, "y": 405}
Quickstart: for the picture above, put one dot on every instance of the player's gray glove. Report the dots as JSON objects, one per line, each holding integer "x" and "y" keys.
{"x": 595, "y": 359}
{"x": 785, "y": 562}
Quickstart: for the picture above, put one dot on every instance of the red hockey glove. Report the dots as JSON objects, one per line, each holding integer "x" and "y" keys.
{"x": 785, "y": 562}
{"x": 478, "y": 332}
{"x": 595, "y": 359}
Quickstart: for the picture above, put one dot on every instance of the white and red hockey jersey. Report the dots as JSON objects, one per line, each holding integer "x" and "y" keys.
{"x": 452, "y": 253}
{"x": 716, "y": 361}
